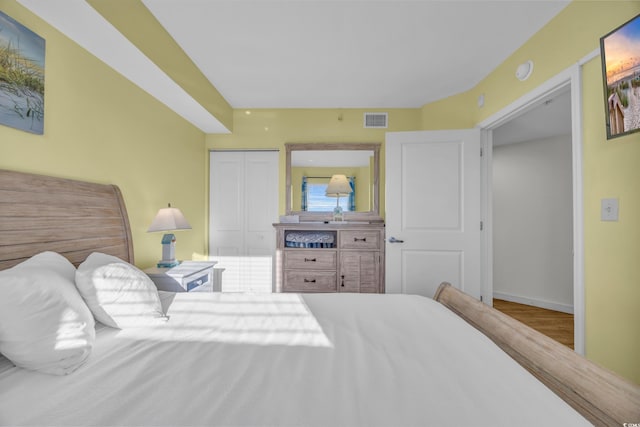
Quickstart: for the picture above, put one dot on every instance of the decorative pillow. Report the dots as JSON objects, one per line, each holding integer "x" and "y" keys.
{"x": 44, "y": 323}
{"x": 118, "y": 294}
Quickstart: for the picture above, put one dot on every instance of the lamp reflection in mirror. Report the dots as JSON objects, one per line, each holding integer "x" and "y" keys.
{"x": 338, "y": 186}
{"x": 168, "y": 219}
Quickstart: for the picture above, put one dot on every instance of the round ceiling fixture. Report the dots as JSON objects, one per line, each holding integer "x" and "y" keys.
{"x": 524, "y": 70}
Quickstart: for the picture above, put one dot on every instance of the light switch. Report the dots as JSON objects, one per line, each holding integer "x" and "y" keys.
{"x": 609, "y": 210}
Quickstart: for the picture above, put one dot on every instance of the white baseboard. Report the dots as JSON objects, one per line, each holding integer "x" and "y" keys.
{"x": 564, "y": 308}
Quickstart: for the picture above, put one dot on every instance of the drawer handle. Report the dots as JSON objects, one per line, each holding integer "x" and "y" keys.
{"x": 309, "y": 281}
{"x": 342, "y": 277}
{"x": 355, "y": 239}
{"x": 309, "y": 260}
{"x": 394, "y": 240}
{"x": 197, "y": 282}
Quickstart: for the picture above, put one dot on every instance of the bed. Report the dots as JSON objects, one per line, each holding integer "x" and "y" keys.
{"x": 284, "y": 359}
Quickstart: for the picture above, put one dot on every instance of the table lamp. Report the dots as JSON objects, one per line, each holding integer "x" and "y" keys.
{"x": 338, "y": 186}
{"x": 168, "y": 219}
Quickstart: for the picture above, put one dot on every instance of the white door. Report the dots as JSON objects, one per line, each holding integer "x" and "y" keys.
{"x": 243, "y": 207}
{"x": 433, "y": 211}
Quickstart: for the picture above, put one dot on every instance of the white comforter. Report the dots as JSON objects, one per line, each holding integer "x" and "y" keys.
{"x": 290, "y": 360}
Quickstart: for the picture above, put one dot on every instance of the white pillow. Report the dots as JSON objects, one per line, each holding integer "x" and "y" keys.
{"x": 118, "y": 294}
{"x": 44, "y": 323}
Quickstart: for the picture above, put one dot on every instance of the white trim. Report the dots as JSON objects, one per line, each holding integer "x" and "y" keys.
{"x": 571, "y": 77}
{"x": 549, "y": 305}
{"x": 589, "y": 56}
{"x": 486, "y": 216}
{"x": 526, "y": 101}
{"x": 578, "y": 211}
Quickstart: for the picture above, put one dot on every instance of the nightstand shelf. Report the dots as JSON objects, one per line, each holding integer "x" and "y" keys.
{"x": 189, "y": 276}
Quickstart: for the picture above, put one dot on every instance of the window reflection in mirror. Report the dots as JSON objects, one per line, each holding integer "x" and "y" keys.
{"x": 311, "y": 171}
{"x": 315, "y": 198}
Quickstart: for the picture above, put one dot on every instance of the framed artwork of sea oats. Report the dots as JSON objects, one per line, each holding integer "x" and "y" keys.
{"x": 22, "y": 55}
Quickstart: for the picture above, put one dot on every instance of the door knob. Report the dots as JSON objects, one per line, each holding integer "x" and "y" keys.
{"x": 394, "y": 240}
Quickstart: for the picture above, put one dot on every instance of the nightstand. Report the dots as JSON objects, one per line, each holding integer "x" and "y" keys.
{"x": 189, "y": 276}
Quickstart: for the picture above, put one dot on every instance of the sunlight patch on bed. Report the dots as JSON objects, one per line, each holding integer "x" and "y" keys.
{"x": 255, "y": 319}
{"x": 70, "y": 333}
{"x": 248, "y": 273}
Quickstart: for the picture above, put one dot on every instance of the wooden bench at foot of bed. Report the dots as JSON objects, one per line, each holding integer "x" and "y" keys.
{"x": 600, "y": 395}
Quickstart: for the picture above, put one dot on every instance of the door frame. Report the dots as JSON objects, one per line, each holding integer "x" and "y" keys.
{"x": 572, "y": 78}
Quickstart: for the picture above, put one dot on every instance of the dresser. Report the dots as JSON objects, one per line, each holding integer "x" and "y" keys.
{"x": 338, "y": 257}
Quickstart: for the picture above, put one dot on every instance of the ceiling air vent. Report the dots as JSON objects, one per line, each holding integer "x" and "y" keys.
{"x": 375, "y": 120}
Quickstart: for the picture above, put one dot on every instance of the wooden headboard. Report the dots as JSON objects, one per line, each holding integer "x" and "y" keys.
{"x": 74, "y": 218}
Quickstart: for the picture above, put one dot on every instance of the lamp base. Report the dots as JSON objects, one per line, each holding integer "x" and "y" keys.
{"x": 168, "y": 252}
{"x": 338, "y": 214}
{"x": 168, "y": 264}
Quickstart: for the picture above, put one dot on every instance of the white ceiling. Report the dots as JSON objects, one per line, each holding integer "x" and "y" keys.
{"x": 314, "y": 53}
{"x": 550, "y": 117}
{"x": 349, "y": 53}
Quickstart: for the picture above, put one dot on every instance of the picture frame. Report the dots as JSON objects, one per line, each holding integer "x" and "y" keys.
{"x": 620, "y": 53}
{"x": 22, "y": 55}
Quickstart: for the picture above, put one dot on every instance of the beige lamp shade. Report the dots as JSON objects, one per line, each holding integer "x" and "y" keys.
{"x": 338, "y": 186}
{"x": 169, "y": 219}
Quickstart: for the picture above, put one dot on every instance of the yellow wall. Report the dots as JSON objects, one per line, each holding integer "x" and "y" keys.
{"x": 612, "y": 250}
{"x": 272, "y": 128}
{"x": 100, "y": 127}
{"x": 456, "y": 112}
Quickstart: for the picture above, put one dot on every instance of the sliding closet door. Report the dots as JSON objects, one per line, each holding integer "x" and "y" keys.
{"x": 243, "y": 198}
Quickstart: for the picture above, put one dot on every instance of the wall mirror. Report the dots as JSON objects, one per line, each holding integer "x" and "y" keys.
{"x": 310, "y": 166}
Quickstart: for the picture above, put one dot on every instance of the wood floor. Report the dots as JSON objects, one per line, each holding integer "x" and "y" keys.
{"x": 554, "y": 324}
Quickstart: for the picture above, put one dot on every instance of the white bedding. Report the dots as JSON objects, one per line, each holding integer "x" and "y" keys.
{"x": 289, "y": 360}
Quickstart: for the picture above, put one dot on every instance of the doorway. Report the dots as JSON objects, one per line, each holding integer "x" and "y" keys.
{"x": 532, "y": 207}
{"x": 533, "y": 217}
{"x": 568, "y": 81}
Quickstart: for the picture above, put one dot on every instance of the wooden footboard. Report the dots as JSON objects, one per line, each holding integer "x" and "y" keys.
{"x": 601, "y": 396}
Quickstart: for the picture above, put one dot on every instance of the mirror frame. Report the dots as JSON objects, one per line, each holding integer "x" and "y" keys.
{"x": 372, "y": 215}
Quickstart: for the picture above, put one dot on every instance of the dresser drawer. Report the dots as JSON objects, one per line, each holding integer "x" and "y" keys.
{"x": 310, "y": 260}
{"x": 309, "y": 281}
{"x": 359, "y": 239}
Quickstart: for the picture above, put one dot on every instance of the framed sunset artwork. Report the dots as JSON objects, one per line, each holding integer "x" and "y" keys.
{"x": 620, "y": 51}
